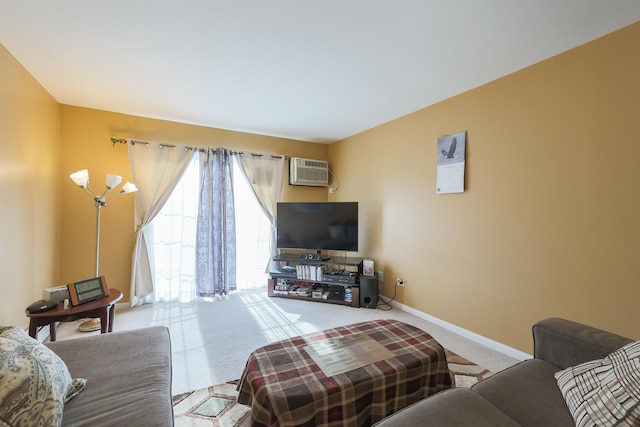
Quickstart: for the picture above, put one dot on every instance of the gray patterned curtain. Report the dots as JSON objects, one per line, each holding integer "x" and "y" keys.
{"x": 216, "y": 229}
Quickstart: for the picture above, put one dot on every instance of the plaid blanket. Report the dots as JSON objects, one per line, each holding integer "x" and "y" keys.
{"x": 285, "y": 387}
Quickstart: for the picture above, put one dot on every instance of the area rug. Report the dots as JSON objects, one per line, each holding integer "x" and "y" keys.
{"x": 217, "y": 406}
{"x": 211, "y": 406}
{"x": 465, "y": 372}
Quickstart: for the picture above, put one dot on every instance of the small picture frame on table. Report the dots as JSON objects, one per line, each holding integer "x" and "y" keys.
{"x": 88, "y": 290}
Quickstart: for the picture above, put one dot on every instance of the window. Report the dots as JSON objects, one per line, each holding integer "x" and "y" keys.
{"x": 174, "y": 231}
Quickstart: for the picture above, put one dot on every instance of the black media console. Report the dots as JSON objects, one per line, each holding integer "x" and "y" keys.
{"x": 335, "y": 280}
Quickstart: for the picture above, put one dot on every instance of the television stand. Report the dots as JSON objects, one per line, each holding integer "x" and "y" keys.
{"x": 316, "y": 277}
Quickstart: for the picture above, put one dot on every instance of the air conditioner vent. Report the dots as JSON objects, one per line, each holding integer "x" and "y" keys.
{"x": 315, "y": 163}
{"x": 314, "y": 173}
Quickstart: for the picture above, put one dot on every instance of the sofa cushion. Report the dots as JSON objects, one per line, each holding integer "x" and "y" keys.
{"x": 527, "y": 393}
{"x": 35, "y": 381}
{"x": 604, "y": 392}
{"x": 128, "y": 378}
{"x": 451, "y": 407}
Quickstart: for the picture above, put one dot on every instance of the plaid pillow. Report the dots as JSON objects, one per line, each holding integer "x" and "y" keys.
{"x": 604, "y": 392}
{"x": 35, "y": 382}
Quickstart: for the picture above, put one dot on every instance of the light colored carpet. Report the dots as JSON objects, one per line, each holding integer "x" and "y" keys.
{"x": 217, "y": 405}
{"x": 212, "y": 339}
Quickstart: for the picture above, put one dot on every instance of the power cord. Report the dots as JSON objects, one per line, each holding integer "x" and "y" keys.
{"x": 382, "y": 302}
{"x": 335, "y": 181}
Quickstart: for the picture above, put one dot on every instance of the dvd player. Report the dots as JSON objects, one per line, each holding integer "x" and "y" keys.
{"x": 348, "y": 278}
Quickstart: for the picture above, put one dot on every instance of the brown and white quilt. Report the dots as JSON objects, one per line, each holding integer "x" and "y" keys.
{"x": 285, "y": 386}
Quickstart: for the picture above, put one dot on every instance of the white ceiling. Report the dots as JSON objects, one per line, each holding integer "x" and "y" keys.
{"x": 315, "y": 71}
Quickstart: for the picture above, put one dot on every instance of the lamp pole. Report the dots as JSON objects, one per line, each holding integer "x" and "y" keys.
{"x": 81, "y": 178}
{"x": 99, "y": 204}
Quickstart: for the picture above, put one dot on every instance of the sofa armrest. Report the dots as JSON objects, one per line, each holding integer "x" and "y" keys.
{"x": 128, "y": 378}
{"x": 564, "y": 343}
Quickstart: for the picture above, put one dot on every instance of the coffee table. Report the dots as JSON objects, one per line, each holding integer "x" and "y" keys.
{"x": 104, "y": 308}
{"x": 285, "y": 386}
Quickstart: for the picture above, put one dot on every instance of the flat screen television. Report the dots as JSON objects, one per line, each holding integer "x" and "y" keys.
{"x": 317, "y": 226}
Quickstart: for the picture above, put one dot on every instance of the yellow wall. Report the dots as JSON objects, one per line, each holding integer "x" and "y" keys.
{"x": 29, "y": 190}
{"x": 86, "y": 144}
{"x": 549, "y": 224}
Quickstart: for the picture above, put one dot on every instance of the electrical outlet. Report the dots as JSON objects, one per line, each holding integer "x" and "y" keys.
{"x": 381, "y": 276}
{"x": 400, "y": 282}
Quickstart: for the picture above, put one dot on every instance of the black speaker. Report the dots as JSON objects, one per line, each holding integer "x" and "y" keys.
{"x": 369, "y": 291}
{"x": 336, "y": 292}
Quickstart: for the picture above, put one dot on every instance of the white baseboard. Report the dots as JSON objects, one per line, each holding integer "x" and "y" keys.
{"x": 509, "y": 351}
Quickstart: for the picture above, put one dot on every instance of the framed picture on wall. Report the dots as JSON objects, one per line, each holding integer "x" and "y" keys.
{"x": 451, "y": 160}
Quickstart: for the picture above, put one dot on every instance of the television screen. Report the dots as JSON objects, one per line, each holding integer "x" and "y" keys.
{"x": 317, "y": 226}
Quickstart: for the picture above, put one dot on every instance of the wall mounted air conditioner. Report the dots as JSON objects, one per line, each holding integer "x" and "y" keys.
{"x": 314, "y": 173}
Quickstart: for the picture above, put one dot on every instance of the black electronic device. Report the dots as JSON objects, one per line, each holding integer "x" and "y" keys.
{"x": 314, "y": 257}
{"x": 344, "y": 278}
{"x": 40, "y": 306}
{"x": 317, "y": 226}
{"x": 336, "y": 293}
{"x": 369, "y": 291}
{"x": 88, "y": 290}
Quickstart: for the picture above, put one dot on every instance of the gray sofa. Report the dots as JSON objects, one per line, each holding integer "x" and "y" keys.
{"x": 523, "y": 395}
{"x": 128, "y": 378}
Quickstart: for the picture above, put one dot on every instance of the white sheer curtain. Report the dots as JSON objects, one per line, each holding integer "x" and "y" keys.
{"x": 174, "y": 240}
{"x": 253, "y": 231}
{"x": 265, "y": 174}
{"x": 156, "y": 169}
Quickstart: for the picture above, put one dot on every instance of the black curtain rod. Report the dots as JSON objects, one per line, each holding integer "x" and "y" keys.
{"x": 115, "y": 141}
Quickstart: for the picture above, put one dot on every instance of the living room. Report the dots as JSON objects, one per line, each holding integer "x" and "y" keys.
{"x": 546, "y": 226}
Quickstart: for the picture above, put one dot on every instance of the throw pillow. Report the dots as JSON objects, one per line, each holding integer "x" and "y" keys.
{"x": 604, "y": 392}
{"x": 34, "y": 382}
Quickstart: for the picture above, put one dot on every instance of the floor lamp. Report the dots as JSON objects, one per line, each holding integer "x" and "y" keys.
{"x": 81, "y": 178}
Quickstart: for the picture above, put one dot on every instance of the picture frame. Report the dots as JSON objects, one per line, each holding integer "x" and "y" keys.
{"x": 367, "y": 267}
{"x": 88, "y": 290}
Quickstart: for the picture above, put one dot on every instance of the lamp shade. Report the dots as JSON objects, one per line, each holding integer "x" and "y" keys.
{"x": 113, "y": 180}
{"x": 128, "y": 187}
{"x": 81, "y": 178}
